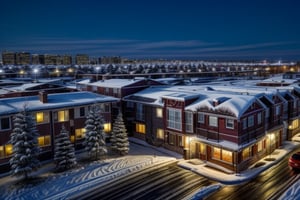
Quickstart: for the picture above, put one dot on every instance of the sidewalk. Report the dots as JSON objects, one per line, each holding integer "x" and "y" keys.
{"x": 226, "y": 176}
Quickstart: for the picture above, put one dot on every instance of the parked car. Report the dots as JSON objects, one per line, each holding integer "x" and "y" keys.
{"x": 294, "y": 161}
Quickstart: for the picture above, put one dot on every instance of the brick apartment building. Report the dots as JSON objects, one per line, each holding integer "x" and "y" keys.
{"x": 51, "y": 111}
{"x": 226, "y": 127}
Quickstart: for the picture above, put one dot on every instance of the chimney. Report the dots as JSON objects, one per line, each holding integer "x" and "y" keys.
{"x": 43, "y": 97}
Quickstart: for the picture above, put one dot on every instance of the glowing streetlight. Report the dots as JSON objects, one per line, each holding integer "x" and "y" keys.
{"x": 35, "y": 71}
{"x": 97, "y": 70}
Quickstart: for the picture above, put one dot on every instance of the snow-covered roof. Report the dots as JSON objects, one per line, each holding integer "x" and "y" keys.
{"x": 55, "y": 101}
{"x": 231, "y": 103}
{"x": 115, "y": 83}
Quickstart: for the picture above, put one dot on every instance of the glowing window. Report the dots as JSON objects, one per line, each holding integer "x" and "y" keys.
{"x": 160, "y": 133}
{"x": 216, "y": 153}
{"x": 42, "y": 117}
{"x": 107, "y": 127}
{"x": 44, "y": 140}
{"x": 63, "y": 115}
{"x": 246, "y": 153}
{"x": 72, "y": 138}
{"x": 140, "y": 128}
{"x": 202, "y": 148}
{"x": 259, "y": 146}
{"x": 2, "y": 152}
{"x": 159, "y": 112}
{"x": 9, "y": 149}
{"x": 80, "y": 133}
{"x": 227, "y": 156}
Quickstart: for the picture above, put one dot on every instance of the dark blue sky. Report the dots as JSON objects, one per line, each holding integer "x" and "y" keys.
{"x": 193, "y": 29}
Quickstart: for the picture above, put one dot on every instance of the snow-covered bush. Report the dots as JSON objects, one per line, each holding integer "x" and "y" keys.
{"x": 119, "y": 138}
{"x": 64, "y": 154}
{"x": 95, "y": 138}
{"x": 25, "y": 145}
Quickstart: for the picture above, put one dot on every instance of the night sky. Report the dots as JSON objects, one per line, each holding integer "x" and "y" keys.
{"x": 167, "y": 29}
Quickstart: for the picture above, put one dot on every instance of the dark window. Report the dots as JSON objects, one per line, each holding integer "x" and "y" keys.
{"x": 82, "y": 112}
{"x": 5, "y": 123}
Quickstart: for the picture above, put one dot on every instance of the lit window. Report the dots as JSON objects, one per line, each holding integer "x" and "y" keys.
{"x": 174, "y": 118}
{"x": 213, "y": 121}
{"x": 63, "y": 115}
{"x": 226, "y": 156}
{"x": 79, "y": 133}
{"x": 294, "y": 124}
{"x": 201, "y": 118}
{"x": 202, "y": 148}
{"x": 107, "y": 127}
{"x": 42, "y": 117}
{"x": 259, "y": 146}
{"x": 140, "y": 128}
{"x": 44, "y": 140}
{"x": 246, "y": 153}
{"x": 230, "y": 123}
{"x": 159, "y": 112}
{"x": 216, "y": 153}
{"x": 160, "y": 133}
{"x": 72, "y": 138}
{"x": 6, "y": 150}
{"x": 5, "y": 123}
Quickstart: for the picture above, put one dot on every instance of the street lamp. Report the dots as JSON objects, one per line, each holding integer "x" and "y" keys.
{"x": 97, "y": 70}
{"x": 35, "y": 71}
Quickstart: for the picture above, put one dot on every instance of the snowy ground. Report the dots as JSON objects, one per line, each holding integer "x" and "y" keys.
{"x": 51, "y": 185}
{"x": 60, "y": 185}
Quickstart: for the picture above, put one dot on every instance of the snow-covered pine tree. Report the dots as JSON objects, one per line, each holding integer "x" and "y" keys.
{"x": 94, "y": 135}
{"x": 119, "y": 138}
{"x": 25, "y": 145}
{"x": 64, "y": 155}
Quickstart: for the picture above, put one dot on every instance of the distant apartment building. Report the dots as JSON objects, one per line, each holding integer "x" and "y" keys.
{"x": 110, "y": 60}
{"x": 8, "y": 58}
{"x": 82, "y": 59}
{"x": 35, "y": 59}
{"x": 67, "y": 60}
{"x": 23, "y": 58}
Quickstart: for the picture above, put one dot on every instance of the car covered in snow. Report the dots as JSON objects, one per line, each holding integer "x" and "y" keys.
{"x": 294, "y": 161}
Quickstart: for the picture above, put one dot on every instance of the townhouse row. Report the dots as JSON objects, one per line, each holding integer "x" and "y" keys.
{"x": 51, "y": 112}
{"x": 225, "y": 126}
{"x": 230, "y": 126}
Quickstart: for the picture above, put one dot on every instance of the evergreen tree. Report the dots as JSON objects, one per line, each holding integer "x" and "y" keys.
{"x": 119, "y": 139}
{"x": 95, "y": 138}
{"x": 25, "y": 145}
{"x": 64, "y": 155}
